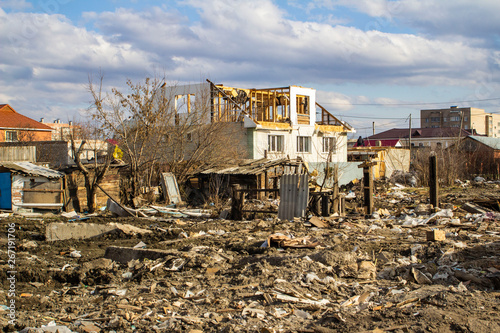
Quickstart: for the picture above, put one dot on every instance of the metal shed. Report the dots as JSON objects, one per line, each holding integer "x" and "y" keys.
{"x": 27, "y": 185}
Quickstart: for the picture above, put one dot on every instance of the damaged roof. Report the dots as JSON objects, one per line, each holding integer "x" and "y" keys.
{"x": 252, "y": 167}
{"x": 31, "y": 169}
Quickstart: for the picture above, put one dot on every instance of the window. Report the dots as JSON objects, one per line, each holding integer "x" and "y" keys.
{"x": 302, "y": 104}
{"x": 426, "y": 120}
{"x": 455, "y": 118}
{"x": 184, "y": 103}
{"x": 275, "y": 143}
{"x": 11, "y": 136}
{"x": 303, "y": 144}
{"x": 435, "y": 119}
{"x": 330, "y": 145}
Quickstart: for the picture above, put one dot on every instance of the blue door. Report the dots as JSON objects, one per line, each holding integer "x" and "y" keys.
{"x": 5, "y": 191}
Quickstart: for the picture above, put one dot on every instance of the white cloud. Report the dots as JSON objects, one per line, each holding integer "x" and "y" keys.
{"x": 249, "y": 42}
{"x": 15, "y": 4}
{"x": 467, "y": 18}
{"x": 242, "y": 34}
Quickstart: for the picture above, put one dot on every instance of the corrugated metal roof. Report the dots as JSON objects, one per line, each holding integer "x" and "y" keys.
{"x": 488, "y": 141}
{"x": 31, "y": 169}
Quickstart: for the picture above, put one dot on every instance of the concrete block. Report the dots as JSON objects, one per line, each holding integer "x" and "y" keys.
{"x": 125, "y": 254}
{"x": 436, "y": 235}
{"x": 61, "y": 231}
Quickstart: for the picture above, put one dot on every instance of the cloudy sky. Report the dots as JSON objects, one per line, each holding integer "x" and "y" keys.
{"x": 370, "y": 60}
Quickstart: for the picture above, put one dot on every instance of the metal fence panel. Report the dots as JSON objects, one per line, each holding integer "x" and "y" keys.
{"x": 294, "y": 196}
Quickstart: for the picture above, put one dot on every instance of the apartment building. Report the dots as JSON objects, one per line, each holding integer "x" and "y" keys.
{"x": 467, "y": 118}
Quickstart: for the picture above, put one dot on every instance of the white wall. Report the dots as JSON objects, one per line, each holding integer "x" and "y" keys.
{"x": 294, "y": 91}
{"x": 260, "y": 144}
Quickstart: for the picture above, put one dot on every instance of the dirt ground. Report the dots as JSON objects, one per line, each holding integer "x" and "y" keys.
{"x": 355, "y": 274}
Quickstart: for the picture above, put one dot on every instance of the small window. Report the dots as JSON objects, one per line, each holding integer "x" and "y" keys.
{"x": 330, "y": 145}
{"x": 303, "y": 144}
{"x": 302, "y": 104}
{"x": 420, "y": 144}
{"x": 11, "y": 136}
{"x": 439, "y": 145}
{"x": 275, "y": 143}
{"x": 455, "y": 118}
{"x": 435, "y": 119}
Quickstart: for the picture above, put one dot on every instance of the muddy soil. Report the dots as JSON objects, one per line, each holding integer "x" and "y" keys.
{"x": 368, "y": 274}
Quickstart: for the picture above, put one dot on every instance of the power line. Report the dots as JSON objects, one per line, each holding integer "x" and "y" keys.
{"x": 361, "y": 117}
{"x": 410, "y": 104}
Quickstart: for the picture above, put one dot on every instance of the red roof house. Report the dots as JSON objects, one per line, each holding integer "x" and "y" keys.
{"x": 16, "y": 127}
{"x": 381, "y": 143}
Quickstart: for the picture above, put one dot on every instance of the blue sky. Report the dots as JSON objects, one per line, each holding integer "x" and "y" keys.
{"x": 369, "y": 60}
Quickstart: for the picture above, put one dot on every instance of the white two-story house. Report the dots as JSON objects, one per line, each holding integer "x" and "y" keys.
{"x": 275, "y": 122}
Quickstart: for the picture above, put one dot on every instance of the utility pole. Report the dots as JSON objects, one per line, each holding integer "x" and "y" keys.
{"x": 461, "y": 124}
{"x": 373, "y": 127}
{"x": 410, "y": 137}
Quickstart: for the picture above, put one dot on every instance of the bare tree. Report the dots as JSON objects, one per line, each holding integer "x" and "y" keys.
{"x": 135, "y": 119}
{"x": 95, "y": 171}
{"x": 156, "y": 129}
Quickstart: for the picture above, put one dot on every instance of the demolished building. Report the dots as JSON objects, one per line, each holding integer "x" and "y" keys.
{"x": 274, "y": 122}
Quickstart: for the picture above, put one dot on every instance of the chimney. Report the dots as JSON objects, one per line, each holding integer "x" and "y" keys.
{"x": 42, "y": 120}
{"x": 70, "y": 123}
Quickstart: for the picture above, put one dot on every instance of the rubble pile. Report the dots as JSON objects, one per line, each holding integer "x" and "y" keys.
{"x": 409, "y": 267}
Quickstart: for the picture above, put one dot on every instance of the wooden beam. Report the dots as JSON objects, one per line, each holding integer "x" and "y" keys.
{"x": 433, "y": 181}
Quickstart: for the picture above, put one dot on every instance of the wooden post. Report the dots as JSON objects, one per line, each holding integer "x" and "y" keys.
{"x": 433, "y": 181}
{"x": 325, "y": 204}
{"x": 275, "y": 186}
{"x": 266, "y": 184}
{"x": 342, "y": 206}
{"x": 237, "y": 203}
{"x": 336, "y": 198}
{"x": 368, "y": 186}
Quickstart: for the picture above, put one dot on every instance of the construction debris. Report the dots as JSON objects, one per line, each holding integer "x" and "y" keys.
{"x": 407, "y": 267}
